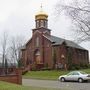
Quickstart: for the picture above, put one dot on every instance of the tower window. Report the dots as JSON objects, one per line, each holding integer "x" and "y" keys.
{"x": 45, "y": 24}
{"x": 41, "y": 23}
{"x": 37, "y": 24}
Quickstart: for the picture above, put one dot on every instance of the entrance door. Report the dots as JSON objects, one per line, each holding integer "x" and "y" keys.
{"x": 38, "y": 59}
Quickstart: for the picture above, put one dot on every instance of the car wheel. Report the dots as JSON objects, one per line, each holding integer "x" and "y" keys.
{"x": 62, "y": 79}
{"x": 80, "y": 80}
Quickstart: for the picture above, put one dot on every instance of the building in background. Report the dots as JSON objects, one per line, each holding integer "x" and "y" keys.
{"x": 44, "y": 50}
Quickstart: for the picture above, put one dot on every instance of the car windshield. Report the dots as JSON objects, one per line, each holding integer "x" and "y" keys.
{"x": 70, "y": 73}
{"x": 82, "y": 72}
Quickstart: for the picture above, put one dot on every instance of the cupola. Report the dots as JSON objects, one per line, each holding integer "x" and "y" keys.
{"x": 41, "y": 19}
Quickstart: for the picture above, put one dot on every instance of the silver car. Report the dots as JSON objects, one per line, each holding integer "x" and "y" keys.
{"x": 79, "y": 76}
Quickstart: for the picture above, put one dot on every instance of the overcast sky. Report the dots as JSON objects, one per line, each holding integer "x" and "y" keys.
{"x": 17, "y": 17}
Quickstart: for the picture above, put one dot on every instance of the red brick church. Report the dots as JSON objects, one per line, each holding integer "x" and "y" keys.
{"x": 44, "y": 50}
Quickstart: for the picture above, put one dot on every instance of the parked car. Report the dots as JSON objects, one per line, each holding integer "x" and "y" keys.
{"x": 79, "y": 76}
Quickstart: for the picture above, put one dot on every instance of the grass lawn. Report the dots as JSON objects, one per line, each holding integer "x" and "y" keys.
{"x": 49, "y": 75}
{"x": 9, "y": 86}
{"x": 86, "y": 70}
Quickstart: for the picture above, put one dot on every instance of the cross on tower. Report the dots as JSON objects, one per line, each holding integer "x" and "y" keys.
{"x": 41, "y": 7}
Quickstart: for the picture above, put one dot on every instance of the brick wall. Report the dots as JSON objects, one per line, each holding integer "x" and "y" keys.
{"x": 14, "y": 77}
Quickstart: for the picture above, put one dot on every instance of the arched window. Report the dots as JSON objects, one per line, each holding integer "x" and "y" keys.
{"x": 45, "y": 24}
{"x": 37, "y": 42}
{"x": 37, "y": 53}
{"x": 37, "y": 24}
{"x": 41, "y": 22}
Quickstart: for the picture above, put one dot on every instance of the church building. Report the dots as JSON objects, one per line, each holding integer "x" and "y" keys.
{"x": 44, "y": 50}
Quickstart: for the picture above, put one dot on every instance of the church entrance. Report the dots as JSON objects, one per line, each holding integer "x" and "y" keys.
{"x": 38, "y": 60}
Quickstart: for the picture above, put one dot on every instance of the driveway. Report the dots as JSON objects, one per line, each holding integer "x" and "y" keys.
{"x": 56, "y": 84}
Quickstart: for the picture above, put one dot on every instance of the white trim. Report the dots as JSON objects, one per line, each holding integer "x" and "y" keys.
{"x": 37, "y": 31}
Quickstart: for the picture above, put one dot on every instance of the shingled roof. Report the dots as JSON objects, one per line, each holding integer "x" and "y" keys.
{"x": 58, "y": 41}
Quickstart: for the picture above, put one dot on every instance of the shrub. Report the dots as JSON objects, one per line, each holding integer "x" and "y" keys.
{"x": 74, "y": 67}
{"x": 33, "y": 68}
{"x": 24, "y": 72}
{"x": 84, "y": 66}
{"x": 78, "y": 66}
{"x": 88, "y": 65}
{"x": 46, "y": 65}
{"x": 46, "y": 68}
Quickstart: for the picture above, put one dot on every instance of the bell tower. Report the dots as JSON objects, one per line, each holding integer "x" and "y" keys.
{"x": 41, "y": 19}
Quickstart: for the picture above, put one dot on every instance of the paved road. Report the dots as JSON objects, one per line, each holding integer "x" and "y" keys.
{"x": 57, "y": 84}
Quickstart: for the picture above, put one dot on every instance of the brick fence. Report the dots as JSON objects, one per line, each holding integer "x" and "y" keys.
{"x": 14, "y": 77}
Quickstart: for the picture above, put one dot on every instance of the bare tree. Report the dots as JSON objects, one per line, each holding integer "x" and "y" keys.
{"x": 14, "y": 49}
{"x": 11, "y": 49}
{"x": 4, "y": 49}
{"x": 79, "y": 13}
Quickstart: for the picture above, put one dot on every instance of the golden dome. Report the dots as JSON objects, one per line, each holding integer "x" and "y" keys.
{"x": 41, "y": 15}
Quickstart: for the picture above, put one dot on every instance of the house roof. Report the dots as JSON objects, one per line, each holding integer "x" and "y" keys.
{"x": 58, "y": 41}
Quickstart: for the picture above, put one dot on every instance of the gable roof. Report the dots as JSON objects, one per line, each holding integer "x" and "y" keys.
{"x": 58, "y": 41}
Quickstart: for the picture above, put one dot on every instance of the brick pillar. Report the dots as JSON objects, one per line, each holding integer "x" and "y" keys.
{"x": 19, "y": 75}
